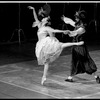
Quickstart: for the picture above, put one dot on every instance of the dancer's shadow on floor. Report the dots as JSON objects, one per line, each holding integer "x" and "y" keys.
{"x": 54, "y": 86}
{"x": 89, "y": 82}
{"x": 84, "y": 81}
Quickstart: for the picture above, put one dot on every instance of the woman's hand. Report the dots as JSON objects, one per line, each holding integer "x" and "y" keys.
{"x": 30, "y": 7}
{"x": 67, "y": 32}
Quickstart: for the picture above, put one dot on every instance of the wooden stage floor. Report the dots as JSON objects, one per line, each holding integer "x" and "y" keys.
{"x": 22, "y": 80}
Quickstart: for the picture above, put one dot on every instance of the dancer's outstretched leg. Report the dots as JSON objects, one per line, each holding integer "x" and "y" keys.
{"x": 46, "y": 66}
{"x": 64, "y": 45}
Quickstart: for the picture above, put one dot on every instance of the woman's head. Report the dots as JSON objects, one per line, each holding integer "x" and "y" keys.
{"x": 45, "y": 10}
{"x": 43, "y": 14}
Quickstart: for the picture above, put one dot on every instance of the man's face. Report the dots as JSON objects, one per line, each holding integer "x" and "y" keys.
{"x": 77, "y": 19}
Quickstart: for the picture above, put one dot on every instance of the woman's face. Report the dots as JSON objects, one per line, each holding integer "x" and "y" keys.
{"x": 45, "y": 20}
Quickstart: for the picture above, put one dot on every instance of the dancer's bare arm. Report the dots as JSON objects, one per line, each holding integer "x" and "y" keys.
{"x": 55, "y": 30}
{"x": 36, "y": 23}
{"x": 34, "y": 13}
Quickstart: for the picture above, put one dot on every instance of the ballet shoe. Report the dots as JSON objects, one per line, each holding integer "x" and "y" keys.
{"x": 69, "y": 80}
{"x": 43, "y": 79}
{"x": 80, "y": 43}
{"x": 98, "y": 79}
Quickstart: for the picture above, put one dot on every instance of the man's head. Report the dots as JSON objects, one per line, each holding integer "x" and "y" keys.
{"x": 80, "y": 15}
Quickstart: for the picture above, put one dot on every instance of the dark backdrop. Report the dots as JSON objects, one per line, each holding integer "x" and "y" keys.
{"x": 15, "y": 16}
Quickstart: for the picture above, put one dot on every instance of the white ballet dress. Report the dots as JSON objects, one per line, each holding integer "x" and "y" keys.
{"x": 47, "y": 50}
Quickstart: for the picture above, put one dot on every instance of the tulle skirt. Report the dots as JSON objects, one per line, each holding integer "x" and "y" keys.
{"x": 47, "y": 50}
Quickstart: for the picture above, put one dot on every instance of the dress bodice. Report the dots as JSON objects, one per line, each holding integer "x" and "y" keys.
{"x": 42, "y": 33}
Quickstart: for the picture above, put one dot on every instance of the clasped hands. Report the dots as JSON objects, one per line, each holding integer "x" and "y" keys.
{"x": 67, "y": 32}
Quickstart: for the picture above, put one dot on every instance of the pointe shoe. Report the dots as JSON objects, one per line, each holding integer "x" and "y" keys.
{"x": 98, "y": 79}
{"x": 43, "y": 79}
{"x": 80, "y": 43}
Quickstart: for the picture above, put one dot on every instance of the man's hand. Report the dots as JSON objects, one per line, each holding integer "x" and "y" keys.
{"x": 67, "y": 32}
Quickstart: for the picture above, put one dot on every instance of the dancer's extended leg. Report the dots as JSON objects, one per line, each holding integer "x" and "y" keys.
{"x": 71, "y": 44}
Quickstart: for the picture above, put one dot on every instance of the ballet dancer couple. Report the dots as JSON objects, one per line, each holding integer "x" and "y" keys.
{"x": 48, "y": 48}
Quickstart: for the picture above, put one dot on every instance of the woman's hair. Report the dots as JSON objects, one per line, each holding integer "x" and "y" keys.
{"x": 43, "y": 14}
{"x": 44, "y": 11}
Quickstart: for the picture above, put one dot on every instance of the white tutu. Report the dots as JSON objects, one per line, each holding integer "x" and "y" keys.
{"x": 47, "y": 50}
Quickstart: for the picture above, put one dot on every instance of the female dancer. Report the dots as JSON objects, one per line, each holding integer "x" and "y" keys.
{"x": 81, "y": 60}
{"x": 48, "y": 47}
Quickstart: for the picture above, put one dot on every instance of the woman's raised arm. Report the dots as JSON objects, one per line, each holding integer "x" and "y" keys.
{"x": 34, "y": 13}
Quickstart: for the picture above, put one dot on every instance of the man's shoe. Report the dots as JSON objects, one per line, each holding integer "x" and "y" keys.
{"x": 98, "y": 79}
{"x": 69, "y": 80}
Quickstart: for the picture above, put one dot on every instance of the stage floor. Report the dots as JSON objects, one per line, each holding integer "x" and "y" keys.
{"x": 22, "y": 80}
